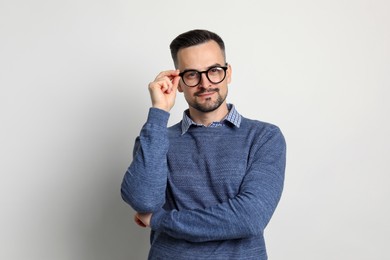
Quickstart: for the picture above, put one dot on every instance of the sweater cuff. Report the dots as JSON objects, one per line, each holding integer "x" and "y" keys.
{"x": 158, "y": 117}
{"x": 157, "y": 219}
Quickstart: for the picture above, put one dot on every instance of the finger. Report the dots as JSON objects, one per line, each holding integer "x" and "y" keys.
{"x": 166, "y": 86}
{"x": 138, "y": 221}
{"x": 168, "y": 73}
{"x": 160, "y": 85}
{"x": 175, "y": 83}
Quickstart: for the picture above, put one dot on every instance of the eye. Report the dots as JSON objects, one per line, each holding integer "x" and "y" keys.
{"x": 191, "y": 74}
{"x": 214, "y": 70}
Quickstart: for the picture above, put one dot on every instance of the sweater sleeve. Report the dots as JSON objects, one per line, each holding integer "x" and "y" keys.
{"x": 242, "y": 216}
{"x": 144, "y": 183}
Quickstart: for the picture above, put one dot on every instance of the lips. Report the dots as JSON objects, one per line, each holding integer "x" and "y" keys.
{"x": 205, "y": 93}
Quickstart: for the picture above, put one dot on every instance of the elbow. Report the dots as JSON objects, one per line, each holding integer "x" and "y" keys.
{"x": 253, "y": 230}
{"x": 253, "y": 225}
{"x": 144, "y": 196}
{"x": 142, "y": 203}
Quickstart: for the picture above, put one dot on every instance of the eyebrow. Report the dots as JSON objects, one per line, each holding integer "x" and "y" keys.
{"x": 214, "y": 65}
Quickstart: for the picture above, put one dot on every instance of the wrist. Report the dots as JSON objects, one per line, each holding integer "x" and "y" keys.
{"x": 157, "y": 219}
{"x": 158, "y": 117}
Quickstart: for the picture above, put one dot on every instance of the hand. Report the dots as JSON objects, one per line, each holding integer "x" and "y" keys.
{"x": 163, "y": 89}
{"x": 143, "y": 219}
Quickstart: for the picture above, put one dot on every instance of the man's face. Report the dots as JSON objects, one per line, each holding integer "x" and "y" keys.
{"x": 206, "y": 96}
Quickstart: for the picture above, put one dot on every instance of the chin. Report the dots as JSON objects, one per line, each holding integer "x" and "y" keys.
{"x": 209, "y": 106}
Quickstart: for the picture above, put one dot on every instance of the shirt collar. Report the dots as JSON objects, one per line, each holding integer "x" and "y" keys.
{"x": 233, "y": 117}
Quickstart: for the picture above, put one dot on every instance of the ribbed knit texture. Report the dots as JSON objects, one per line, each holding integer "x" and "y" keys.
{"x": 212, "y": 191}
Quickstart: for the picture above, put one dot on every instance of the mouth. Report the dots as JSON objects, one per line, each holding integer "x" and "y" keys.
{"x": 206, "y": 93}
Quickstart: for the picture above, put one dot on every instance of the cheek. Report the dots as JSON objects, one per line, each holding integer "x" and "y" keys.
{"x": 187, "y": 94}
{"x": 184, "y": 91}
{"x": 224, "y": 91}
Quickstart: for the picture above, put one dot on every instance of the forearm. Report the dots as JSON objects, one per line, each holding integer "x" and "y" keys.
{"x": 244, "y": 216}
{"x": 144, "y": 183}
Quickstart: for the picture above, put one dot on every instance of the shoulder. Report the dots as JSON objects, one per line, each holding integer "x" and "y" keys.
{"x": 258, "y": 126}
{"x": 263, "y": 132}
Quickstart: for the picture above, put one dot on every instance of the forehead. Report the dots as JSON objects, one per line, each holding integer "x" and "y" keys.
{"x": 200, "y": 56}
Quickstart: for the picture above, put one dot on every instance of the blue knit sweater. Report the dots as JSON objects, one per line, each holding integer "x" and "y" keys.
{"x": 212, "y": 191}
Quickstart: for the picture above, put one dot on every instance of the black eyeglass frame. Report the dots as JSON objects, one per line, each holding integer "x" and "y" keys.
{"x": 224, "y": 68}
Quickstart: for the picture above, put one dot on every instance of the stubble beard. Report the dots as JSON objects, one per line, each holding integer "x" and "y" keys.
{"x": 209, "y": 105}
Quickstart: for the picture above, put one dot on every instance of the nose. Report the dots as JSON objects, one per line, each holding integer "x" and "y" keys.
{"x": 204, "y": 81}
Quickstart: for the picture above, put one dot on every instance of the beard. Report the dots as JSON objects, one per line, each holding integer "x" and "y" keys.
{"x": 209, "y": 105}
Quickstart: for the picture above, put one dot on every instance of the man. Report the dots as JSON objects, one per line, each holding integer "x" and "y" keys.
{"x": 207, "y": 186}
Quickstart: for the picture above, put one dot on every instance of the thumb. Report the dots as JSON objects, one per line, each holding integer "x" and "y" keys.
{"x": 175, "y": 83}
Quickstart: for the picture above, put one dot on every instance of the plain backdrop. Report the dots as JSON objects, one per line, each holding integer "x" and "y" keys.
{"x": 73, "y": 97}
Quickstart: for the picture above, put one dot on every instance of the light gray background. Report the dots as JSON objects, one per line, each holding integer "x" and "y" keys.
{"x": 73, "y": 78}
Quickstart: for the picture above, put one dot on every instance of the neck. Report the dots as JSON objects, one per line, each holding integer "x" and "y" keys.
{"x": 209, "y": 117}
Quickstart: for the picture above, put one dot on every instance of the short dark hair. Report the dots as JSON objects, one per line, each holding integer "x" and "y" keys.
{"x": 192, "y": 38}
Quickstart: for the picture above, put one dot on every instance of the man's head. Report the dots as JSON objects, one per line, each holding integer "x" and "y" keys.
{"x": 200, "y": 57}
{"x": 192, "y": 38}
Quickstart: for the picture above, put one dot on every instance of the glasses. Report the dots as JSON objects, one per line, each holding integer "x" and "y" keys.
{"x": 215, "y": 75}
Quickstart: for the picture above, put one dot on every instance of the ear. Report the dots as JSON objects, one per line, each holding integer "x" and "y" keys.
{"x": 179, "y": 88}
{"x": 229, "y": 74}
